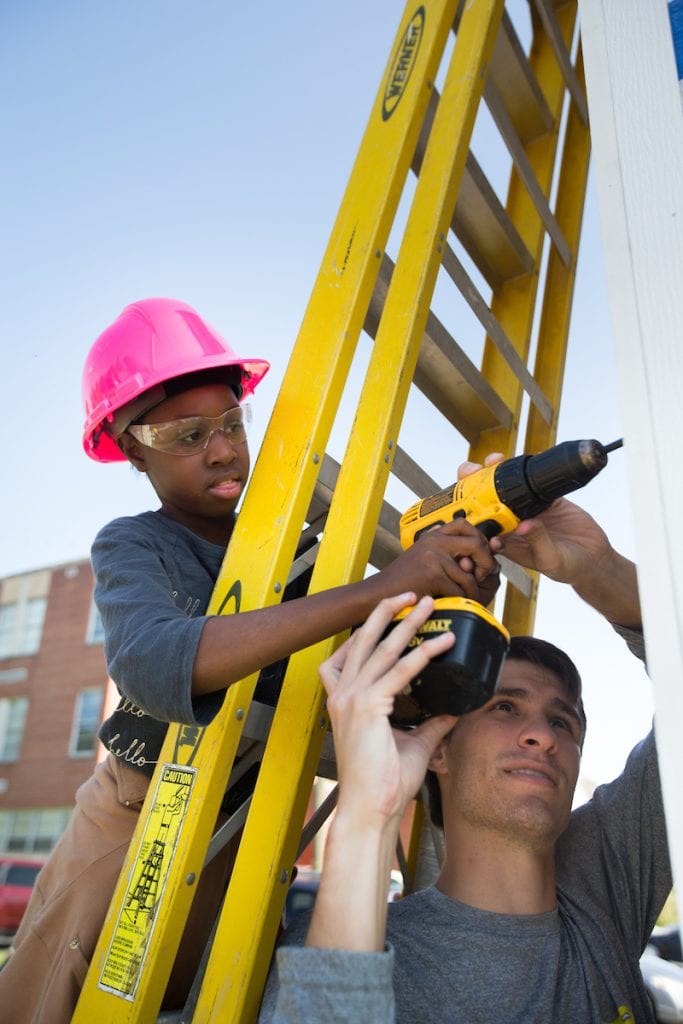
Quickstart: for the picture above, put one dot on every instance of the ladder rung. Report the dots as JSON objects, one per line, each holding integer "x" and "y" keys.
{"x": 444, "y": 374}
{"x": 552, "y": 30}
{"x": 518, "y": 576}
{"x": 461, "y": 278}
{"x": 526, "y": 171}
{"x": 515, "y": 81}
{"x": 386, "y": 545}
{"x": 317, "y": 819}
{"x": 413, "y": 475}
{"x": 455, "y": 386}
{"x": 480, "y": 220}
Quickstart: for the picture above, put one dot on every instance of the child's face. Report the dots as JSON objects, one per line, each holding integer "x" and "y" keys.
{"x": 201, "y": 491}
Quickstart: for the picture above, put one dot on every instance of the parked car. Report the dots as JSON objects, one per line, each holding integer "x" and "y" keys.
{"x": 301, "y": 894}
{"x": 303, "y": 890}
{"x": 18, "y": 873}
{"x": 667, "y": 942}
{"x": 664, "y": 984}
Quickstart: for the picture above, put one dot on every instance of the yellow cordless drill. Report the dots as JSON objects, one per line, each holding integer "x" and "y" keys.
{"x": 494, "y": 499}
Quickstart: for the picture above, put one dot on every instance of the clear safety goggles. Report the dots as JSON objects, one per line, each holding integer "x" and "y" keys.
{"x": 192, "y": 434}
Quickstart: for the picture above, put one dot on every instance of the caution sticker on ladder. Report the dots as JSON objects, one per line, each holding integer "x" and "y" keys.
{"x": 147, "y": 880}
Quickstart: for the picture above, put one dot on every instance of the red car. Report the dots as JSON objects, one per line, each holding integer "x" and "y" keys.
{"x": 18, "y": 873}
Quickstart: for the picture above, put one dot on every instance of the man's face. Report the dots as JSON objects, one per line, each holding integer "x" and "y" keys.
{"x": 202, "y": 490}
{"x": 511, "y": 767}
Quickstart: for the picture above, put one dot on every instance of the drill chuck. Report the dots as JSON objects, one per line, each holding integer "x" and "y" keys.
{"x": 528, "y": 484}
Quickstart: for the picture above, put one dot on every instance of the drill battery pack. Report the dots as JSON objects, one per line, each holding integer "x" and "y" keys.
{"x": 462, "y": 678}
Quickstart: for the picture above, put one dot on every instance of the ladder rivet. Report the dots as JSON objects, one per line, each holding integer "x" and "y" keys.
{"x": 438, "y": 248}
{"x": 190, "y": 880}
{"x": 239, "y": 714}
{"x": 277, "y": 588}
{"x": 390, "y": 445}
{"x": 387, "y": 458}
{"x": 378, "y": 254}
{"x": 316, "y": 458}
{"x": 284, "y": 875}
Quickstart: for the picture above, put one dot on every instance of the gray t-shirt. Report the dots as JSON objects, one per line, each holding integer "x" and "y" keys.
{"x": 448, "y": 963}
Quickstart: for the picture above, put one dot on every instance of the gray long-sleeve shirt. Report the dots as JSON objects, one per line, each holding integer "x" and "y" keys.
{"x": 153, "y": 581}
{"x": 448, "y": 963}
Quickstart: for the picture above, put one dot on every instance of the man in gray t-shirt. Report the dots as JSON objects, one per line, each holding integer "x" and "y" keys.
{"x": 538, "y": 914}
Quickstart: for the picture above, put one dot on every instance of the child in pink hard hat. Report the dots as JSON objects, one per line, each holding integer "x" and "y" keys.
{"x": 164, "y": 391}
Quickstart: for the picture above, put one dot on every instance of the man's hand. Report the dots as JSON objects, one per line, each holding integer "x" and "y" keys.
{"x": 379, "y": 771}
{"x": 565, "y": 544}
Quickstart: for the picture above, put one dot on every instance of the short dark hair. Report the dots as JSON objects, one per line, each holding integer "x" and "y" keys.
{"x": 536, "y": 652}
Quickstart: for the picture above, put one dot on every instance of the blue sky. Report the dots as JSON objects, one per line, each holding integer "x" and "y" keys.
{"x": 201, "y": 151}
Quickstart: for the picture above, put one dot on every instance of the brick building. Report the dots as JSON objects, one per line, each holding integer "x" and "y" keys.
{"x": 53, "y": 682}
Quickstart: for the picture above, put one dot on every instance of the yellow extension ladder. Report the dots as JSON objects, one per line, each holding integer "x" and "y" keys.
{"x": 513, "y": 263}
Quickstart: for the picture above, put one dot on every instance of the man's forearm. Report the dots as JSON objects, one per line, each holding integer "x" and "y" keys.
{"x": 611, "y": 587}
{"x": 351, "y": 906}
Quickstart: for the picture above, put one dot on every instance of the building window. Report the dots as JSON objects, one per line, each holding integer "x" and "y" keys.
{"x": 21, "y": 627}
{"x": 12, "y": 718}
{"x": 34, "y": 830}
{"x": 86, "y": 723}
{"x": 95, "y": 632}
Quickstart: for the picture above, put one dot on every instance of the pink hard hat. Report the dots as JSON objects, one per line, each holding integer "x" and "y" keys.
{"x": 152, "y": 341}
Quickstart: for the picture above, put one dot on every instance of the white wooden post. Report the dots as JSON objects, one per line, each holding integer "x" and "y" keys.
{"x": 637, "y": 133}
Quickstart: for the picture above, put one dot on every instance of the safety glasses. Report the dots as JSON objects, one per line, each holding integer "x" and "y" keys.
{"x": 192, "y": 434}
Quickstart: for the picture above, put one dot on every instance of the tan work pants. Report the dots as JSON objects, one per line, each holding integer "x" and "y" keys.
{"x": 41, "y": 980}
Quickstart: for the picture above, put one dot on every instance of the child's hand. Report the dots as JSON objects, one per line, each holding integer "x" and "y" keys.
{"x": 454, "y": 560}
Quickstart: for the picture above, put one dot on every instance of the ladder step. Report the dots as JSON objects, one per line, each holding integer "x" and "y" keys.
{"x": 526, "y": 171}
{"x": 480, "y": 220}
{"x": 466, "y": 286}
{"x": 486, "y": 231}
{"x": 386, "y": 545}
{"x": 444, "y": 374}
{"x": 514, "y": 80}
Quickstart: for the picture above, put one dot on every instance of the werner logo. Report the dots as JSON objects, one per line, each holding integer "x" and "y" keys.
{"x": 403, "y": 64}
